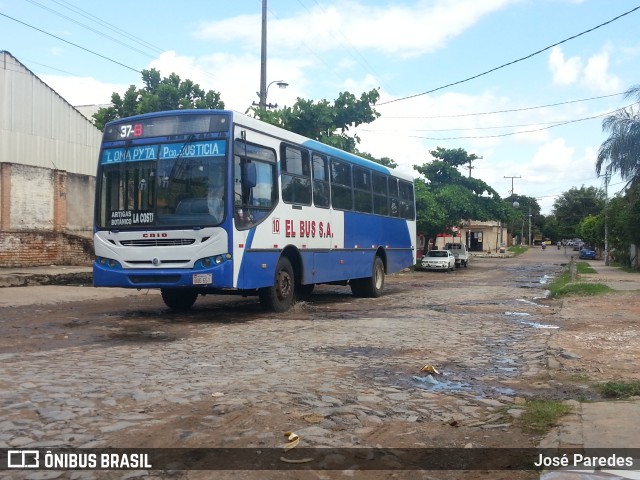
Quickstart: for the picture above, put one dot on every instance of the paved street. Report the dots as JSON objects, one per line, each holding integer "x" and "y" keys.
{"x": 81, "y": 370}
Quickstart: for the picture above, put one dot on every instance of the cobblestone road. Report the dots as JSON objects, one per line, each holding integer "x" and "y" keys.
{"x": 337, "y": 370}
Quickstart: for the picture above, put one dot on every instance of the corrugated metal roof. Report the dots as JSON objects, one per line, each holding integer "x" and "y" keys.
{"x": 38, "y": 127}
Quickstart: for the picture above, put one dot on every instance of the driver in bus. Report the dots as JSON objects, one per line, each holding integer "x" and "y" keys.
{"x": 215, "y": 196}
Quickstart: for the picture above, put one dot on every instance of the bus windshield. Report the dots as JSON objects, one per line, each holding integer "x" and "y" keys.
{"x": 176, "y": 184}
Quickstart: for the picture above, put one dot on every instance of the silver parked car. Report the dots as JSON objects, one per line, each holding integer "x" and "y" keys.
{"x": 439, "y": 260}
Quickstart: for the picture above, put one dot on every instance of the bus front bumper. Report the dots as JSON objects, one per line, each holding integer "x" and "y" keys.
{"x": 218, "y": 276}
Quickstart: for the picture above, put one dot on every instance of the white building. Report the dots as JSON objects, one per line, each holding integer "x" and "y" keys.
{"x": 48, "y": 155}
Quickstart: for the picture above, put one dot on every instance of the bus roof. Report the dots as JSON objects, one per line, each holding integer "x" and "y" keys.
{"x": 259, "y": 125}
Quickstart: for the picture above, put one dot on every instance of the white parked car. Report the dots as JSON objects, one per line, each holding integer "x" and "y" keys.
{"x": 439, "y": 260}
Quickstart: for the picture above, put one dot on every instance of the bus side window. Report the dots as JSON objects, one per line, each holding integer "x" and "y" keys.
{"x": 296, "y": 175}
{"x": 380, "y": 194}
{"x": 362, "y": 190}
{"x": 341, "y": 190}
{"x": 320, "y": 173}
{"x": 251, "y": 205}
{"x": 406, "y": 201}
{"x": 394, "y": 201}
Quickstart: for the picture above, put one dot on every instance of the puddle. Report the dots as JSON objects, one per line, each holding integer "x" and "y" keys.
{"x": 436, "y": 385}
{"x": 546, "y": 279}
{"x": 539, "y": 325}
{"x": 143, "y": 336}
{"x": 530, "y": 302}
{"x": 441, "y": 384}
{"x": 517, "y": 314}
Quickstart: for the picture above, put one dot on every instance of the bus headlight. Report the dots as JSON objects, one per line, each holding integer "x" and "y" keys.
{"x": 207, "y": 262}
{"x": 108, "y": 262}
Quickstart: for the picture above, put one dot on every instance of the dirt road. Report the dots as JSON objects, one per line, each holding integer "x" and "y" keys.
{"x": 338, "y": 371}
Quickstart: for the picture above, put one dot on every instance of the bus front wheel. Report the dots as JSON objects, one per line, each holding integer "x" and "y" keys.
{"x": 280, "y": 296}
{"x": 370, "y": 286}
{"x": 178, "y": 298}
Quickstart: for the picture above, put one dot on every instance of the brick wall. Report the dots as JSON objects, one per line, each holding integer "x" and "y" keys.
{"x": 33, "y": 249}
{"x": 45, "y": 216}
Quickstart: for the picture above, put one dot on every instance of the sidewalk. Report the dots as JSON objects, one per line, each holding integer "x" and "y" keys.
{"x": 49, "y": 275}
{"x": 599, "y": 425}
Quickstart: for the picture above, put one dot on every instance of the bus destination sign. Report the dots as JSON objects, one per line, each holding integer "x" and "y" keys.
{"x": 168, "y": 125}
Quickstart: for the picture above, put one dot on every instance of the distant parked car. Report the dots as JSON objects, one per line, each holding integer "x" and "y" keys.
{"x": 587, "y": 254}
{"x": 439, "y": 260}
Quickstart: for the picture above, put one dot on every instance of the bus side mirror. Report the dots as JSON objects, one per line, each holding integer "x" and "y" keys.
{"x": 250, "y": 176}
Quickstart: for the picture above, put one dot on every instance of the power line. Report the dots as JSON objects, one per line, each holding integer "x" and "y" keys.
{"x": 557, "y": 122}
{"x": 512, "y": 133}
{"x": 359, "y": 58}
{"x": 309, "y": 49}
{"x": 71, "y": 43}
{"x": 509, "y": 110}
{"x": 514, "y": 61}
{"x": 102, "y": 34}
{"x": 110, "y": 26}
{"x": 113, "y": 29}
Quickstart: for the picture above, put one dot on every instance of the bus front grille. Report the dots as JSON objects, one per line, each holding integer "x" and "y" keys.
{"x": 158, "y": 242}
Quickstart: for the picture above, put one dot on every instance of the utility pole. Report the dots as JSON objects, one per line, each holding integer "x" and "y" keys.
{"x": 263, "y": 59}
{"x": 506, "y": 176}
{"x": 607, "y": 177}
{"x": 472, "y": 157}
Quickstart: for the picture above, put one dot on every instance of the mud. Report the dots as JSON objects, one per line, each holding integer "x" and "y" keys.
{"x": 339, "y": 371}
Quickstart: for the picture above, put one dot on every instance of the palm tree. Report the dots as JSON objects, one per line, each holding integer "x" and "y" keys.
{"x": 621, "y": 151}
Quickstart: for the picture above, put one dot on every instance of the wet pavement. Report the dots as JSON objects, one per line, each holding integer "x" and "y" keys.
{"x": 124, "y": 371}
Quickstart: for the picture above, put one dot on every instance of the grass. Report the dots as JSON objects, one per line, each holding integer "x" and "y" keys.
{"x": 619, "y": 388}
{"x": 542, "y": 415}
{"x": 517, "y": 249}
{"x": 563, "y": 286}
{"x": 584, "y": 267}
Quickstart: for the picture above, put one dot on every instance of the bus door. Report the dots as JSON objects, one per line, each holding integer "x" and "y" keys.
{"x": 254, "y": 196}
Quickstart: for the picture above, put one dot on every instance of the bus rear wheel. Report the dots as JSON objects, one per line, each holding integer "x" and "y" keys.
{"x": 280, "y": 296}
{"x": 370, "y": 286}
{"x": 179, "y": 299}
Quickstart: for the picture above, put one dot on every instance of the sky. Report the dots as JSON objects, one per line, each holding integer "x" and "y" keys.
{"x": 436, "y": 64}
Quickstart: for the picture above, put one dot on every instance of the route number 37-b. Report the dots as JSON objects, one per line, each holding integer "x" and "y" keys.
{"x": 127, "y": 131}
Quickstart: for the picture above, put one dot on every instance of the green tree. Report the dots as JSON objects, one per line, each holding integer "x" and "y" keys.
{"x": 519, "y": 220}
{"x": 623, "y": 217}
{"x": 325, "y": 121}
{"x": 620, "y": 152}
{"x": 551, "y": 228}
{"x": 169, "y": 93}
{"x": 574, "y": 205}
{"x": 591, "y": 230}
{"x": 449, "y": 199}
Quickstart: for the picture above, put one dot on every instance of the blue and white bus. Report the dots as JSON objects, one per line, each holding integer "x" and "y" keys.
{"x": 197, "y": 202}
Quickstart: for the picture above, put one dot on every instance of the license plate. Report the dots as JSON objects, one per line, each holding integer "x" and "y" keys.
{"x": 202, "y": 279}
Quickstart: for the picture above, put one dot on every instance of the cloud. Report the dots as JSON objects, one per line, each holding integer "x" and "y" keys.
{"x": 406, "y": 30}
{"x": 236, "y": 77}
{"x": 565, "y": 72}
{"x": 597, "y": 77}
{"x": 82, "y": 90}
{"x": 593, "y": 74}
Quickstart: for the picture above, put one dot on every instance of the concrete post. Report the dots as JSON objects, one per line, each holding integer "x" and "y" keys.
{"x": 5, "y": 197}
{"x": 59, "y": 200}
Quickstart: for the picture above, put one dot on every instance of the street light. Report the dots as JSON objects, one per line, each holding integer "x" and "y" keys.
{"x": 263, "y": 96}
{"x": 516, "y": 205}
{"x": 264, "y": 88}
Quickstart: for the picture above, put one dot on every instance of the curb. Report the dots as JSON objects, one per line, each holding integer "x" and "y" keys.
{"x": 32, "y": 279}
